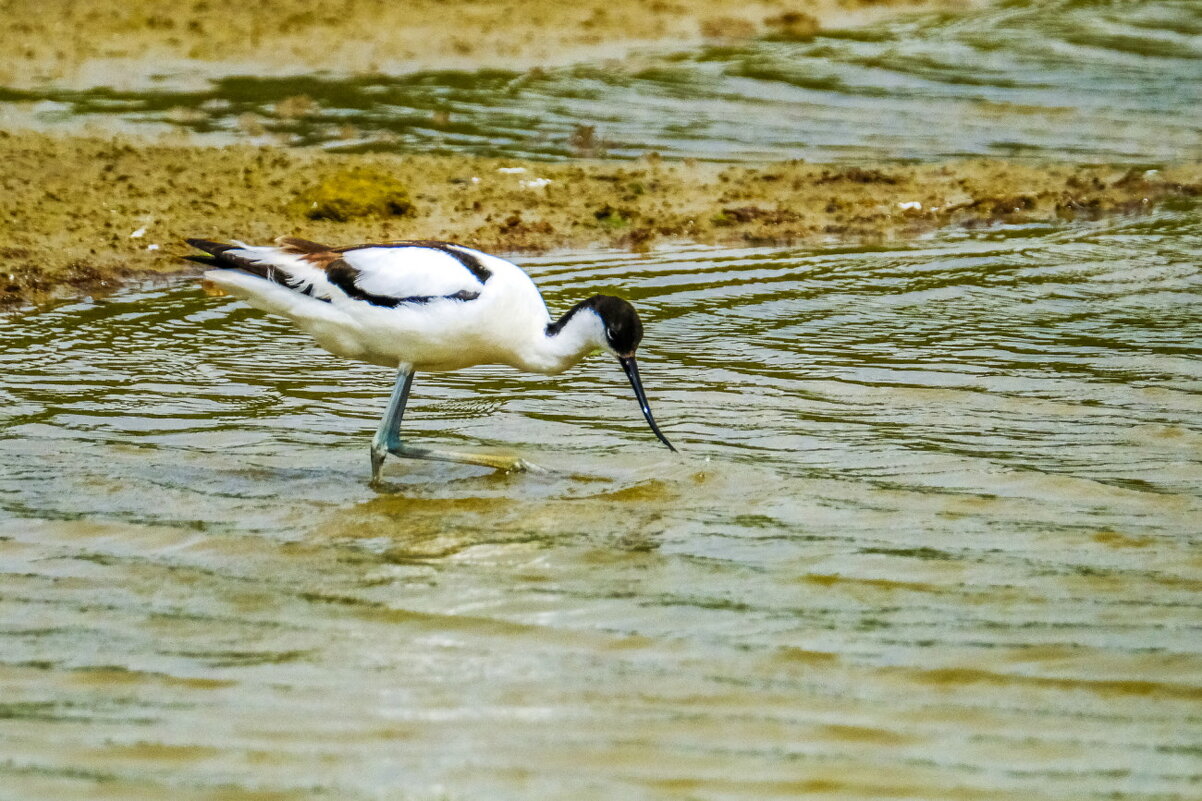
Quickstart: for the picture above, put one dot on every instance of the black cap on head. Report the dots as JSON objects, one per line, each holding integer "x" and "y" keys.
{"x": 623, "y": 328}
{"x": 623, "y": 333}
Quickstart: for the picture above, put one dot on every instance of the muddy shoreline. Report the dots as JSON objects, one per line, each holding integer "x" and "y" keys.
{"x": 78, "y": 214}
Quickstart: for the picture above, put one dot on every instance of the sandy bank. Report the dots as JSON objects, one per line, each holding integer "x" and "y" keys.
{"x": 86, "y": 43}
{"x": 77, "y": 214}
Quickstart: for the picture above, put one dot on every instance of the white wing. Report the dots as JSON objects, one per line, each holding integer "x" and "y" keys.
{"x": 401, "y": 272}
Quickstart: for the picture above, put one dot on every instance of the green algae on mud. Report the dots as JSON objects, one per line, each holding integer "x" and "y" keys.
{"x": 353, "y": 193}
{"x": 81, "y": 213}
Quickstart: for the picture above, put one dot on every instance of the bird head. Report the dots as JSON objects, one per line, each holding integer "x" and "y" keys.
{"x": 623, "y": 333}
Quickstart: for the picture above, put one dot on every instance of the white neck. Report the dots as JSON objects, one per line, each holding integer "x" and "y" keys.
{"x": 582, "y": 334}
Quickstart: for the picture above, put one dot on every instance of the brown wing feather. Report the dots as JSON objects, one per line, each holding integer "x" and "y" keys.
{"x": 225, "y": 255}
{"x": 317, "y": 254}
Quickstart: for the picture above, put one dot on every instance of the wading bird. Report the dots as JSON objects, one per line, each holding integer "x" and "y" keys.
{"x": 424, "y": 305}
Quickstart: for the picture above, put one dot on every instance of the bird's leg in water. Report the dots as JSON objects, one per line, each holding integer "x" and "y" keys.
{"x": 388, "y": 436}
{"x": 388, "y": 439}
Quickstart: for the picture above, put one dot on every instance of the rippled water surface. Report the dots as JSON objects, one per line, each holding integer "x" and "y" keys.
{"x": 1088, "y": 80}
{"x": 934, "y": 533}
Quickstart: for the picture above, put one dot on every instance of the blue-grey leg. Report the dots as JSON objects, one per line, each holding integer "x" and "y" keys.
{"x": 388, "y": 436}
{"x": 388, "y": 439}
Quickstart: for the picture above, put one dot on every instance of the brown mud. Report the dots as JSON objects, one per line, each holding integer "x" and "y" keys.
{"x": 79, "y": 214}
{"x": 81, "y": 42}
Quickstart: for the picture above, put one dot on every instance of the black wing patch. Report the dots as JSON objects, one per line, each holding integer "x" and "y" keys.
{"x": 220, "y": 256}
{"x": 343, "y": 276}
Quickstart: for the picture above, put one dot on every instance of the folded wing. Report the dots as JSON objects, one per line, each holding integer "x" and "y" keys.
{"x": 408, "y": 272}
{"x": 387, "y": 275}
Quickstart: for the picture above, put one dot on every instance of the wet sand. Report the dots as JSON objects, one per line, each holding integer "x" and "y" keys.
{"x": 79, "y": 214}
{"x": 86, "y": 43}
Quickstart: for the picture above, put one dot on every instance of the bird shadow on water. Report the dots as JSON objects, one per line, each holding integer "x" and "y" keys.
{"x": 415, "y": 522}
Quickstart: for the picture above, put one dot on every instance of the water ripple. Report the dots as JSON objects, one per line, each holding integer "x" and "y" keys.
{"x": 1090, "y": 80}
{"x": 934, "y": 527}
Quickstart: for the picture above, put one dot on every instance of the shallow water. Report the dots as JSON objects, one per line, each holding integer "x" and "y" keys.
{"x": 1085, "y": 80}
{"x": 933, "y": 533}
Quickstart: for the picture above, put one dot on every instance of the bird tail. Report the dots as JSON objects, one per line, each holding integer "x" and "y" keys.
{"x": 263, "y": 272}
{"x": 220, "y": 254}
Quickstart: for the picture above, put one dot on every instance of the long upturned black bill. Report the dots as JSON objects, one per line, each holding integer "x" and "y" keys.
{"x": 632, "y": 372}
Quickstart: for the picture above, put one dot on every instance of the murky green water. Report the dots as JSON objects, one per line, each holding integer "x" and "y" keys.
{"x": 934, "y": 533}
{"x": 1088, "y": 80}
